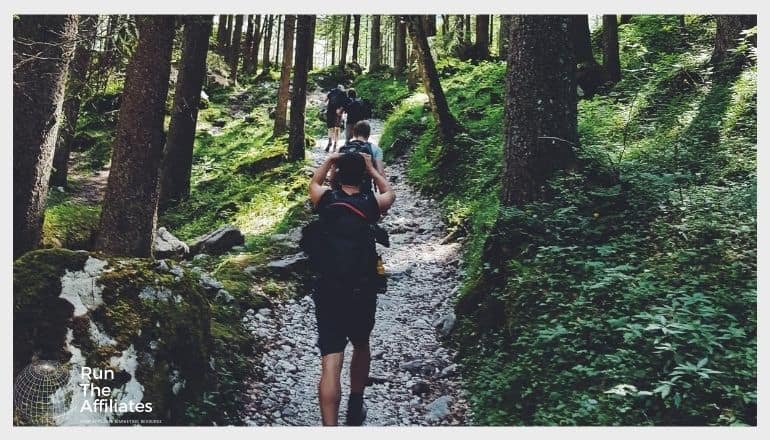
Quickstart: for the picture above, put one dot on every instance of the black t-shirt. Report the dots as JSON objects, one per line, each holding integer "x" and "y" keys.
{"x": 337, "y": 98}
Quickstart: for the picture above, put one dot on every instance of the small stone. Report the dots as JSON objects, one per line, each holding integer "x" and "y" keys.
{"x": 265, "y": 311}
{"x": 438, "y": 409}
{"x": 449, "y": 370}
{"x": 419, "y": 388}
{"x": 200, "y": 257}
{"x": 250, "y": 270}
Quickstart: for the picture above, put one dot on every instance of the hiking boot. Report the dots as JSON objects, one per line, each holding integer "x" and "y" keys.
{"x": 356, "y": 411}
{"x": 327, "y": 147}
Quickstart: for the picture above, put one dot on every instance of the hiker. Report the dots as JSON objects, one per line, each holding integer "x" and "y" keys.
{"x": 335, "y": 100}
{"x": 356, "y": 110}
{"x": 359, "y": 143}
{"x": 345, "y": 298}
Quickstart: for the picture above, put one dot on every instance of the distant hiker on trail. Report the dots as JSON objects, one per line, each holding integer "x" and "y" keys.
{"x": 342, "y": 249}
{"x": 335, "y": 100}
{"x": 356, "y": 109}
{"x": 359, "y": 143}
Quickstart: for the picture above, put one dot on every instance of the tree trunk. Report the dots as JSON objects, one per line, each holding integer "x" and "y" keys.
{"x": 729, "y": 29}
{"x": 445, "y": 122}
{"x": 299, "y": 87}
{"x": 128, "y": 220}
{"x": 283, "y": 89}
{"x": 429, "y": 24}
{"x": 311, "y": 55}
{"x": 255, "y": 44}
{"x": 444, "y": 24}
{"x": 482, "y": 37}
{"x": 413, "y": 70}
{"x": 75, "y": 89}
{"x": 228, "y": 38}
{"x": 610, "y": 47}
{"x": 278, "y": 39}
{"x": 221, "y": 32}
{"x": 178, "y": 154}
{"x": 540, "y": 106}
{"x": 344, "y": 43}
{"x": 43, "y": 47}
{"x": 502, "y": 42}
{"x": 459, "y": 29}
{"x": 356, "y": 32}
{"x": 268, "y": 39}
{"x": 624, "y": 19}
{"x": 374, "y": 47}
{"x": 581, "y": 38}
{"x": 467, "y": 32}
{"x": 247, "y": 42}
{"x": 235, "y": 49}
{"x": 680, "y": 22}
{"x": 399, "y": 46}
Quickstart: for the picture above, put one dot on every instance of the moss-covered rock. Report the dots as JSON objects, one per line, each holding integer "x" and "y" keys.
{"x": 150, "y": 323}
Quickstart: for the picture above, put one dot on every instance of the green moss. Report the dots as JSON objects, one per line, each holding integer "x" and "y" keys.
{"x": 70, "y": 225}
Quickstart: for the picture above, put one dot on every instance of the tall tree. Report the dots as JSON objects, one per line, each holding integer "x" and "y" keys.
{"x": 128, "y": 219}
{"x": 729, "y": 29}
{"x": 75, "y": 89}
{"x": 459, "y": 30}
{"x": 399, "y": 46}
{"x": 482, "y": 37}
{"x": 43, "y": 47}
{"x": 590, "y": 75}
{"x": 467, "y": 32}
{"x": 505, "y": 30}
{"x": 299, "y": 87}
{"x": 283, "y": 88}
{"x": 221, "y": 32}
{"x": 178, "y": 154}
{"x": 255, "y": 45}
{"x": 247, "y": 43}
{"x": 278, "y": 39}
{"x": 375, "y": 56}
{"x": 268, "y": 39}
{"x": 610, "y": 47}
{"x": 312, "y": 47}
{"x": 446, "y": 123}
{"x": 345, "y": 37}
{"x": 624, "y": 19}
{"x": 228, "y": 38}
{"x": 540, "y": 106}
{"x": 235, "y": 48}
{"x": 356, "y": 34}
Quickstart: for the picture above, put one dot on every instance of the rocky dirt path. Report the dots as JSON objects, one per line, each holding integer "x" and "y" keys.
{"x": 414, "y": 379}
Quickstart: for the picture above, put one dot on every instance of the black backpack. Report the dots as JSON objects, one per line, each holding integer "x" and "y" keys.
{"x": 356, "y": 146}
{"x": 341, "y": 242}
{"x": 358, "y": 110}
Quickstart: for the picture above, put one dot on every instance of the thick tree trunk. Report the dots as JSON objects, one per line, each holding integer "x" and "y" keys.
{"x": 311, "y": 55}
{"x": 467, "y": 32}
{"x": 278, "y": 39}
{"x": 375, "y": 56}
{"x": 78, "y": 70}
{"x": 178, "y": 154}
{"x": 610, "y": 47}
{"x": 413, "y": 71}
{"x": 345, "y": 38}
{"x": 482, "y": 37}
{"x": 228, "y": 38}
{"x": 729, "y": 29}
{"x": 235, "y": 49}
{"x": 221, "y": 32}
{"x": 299, "y": 87}
{"x": 256, "y": 44}
{"x": 445, "y": 122}
{"x": 540, "y": 106}
{"x": 581, "y": 38}
{"x": 128, "y": 220}
{"x": 429, "y": 24}
{"x": 247, "y": 43}
{"x": 502, "y": 42}
{"x": 356, "y": 33}
{"x": 268, "y": 39}
{"x": 43, "y": 47}
{"x": 399, "y": 46}
{"x": 283, "y": 89}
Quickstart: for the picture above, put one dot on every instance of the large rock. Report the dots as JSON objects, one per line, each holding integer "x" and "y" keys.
{"x": 166, "y": 245}
{"x": 438, "y": 409}
{"x": 130, "y": 316}
{"x": 218, "y": 242}
{"x": 292, "y": 265}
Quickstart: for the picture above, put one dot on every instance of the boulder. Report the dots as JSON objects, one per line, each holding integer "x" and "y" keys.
{"x": 289, "y": 265}
{"x": 445, "y": 324}
{"x": 126, "y": 315}
{"x": 167, "y": 246}
{"x": 438, "y": 409}
{"x": 218, "y": 242}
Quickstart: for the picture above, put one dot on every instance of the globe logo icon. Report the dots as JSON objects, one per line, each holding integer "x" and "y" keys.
{"x": 38, "y": 397}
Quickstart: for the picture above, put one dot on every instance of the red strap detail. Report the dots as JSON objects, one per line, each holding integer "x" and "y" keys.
{"x": 350, "y": 207}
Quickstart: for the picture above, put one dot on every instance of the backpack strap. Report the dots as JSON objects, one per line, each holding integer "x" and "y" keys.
{"x": 351, "y": 208}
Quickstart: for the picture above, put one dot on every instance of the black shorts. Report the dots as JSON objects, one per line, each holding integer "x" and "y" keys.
{"x": 332, "y": 119}
{"x": 342, "y": 315}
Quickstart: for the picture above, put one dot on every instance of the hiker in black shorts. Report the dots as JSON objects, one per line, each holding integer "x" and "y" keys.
{"x": 335, "y": 100}
{"x": 356, "y": 109}
{"x": 345, "y": 298}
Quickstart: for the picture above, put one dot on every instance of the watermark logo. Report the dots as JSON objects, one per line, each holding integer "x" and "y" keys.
{"x": 34, "y": 393}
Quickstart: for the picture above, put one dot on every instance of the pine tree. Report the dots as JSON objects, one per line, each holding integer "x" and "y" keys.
{"x": 610, "y": 47}
{"x": 375, "y": 55}
{"x": 283, "y": 88}
{"x": 235, "y": 49}
{"x": 299, "y": 86}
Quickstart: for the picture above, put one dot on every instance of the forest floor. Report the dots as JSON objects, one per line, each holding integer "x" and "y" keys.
{"x": 414, "y": 379}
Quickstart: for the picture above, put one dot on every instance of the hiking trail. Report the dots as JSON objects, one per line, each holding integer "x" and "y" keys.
{"x": 415, "y": 381}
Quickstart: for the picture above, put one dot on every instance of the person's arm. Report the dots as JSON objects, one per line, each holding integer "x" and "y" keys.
{"x": 317, "y": 187}
{"x": 387, "y": 196}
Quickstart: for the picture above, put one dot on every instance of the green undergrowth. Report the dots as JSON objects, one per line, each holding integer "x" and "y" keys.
{"x": 632, "y": 296}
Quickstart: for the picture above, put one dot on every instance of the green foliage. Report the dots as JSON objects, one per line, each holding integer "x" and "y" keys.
{"x": 70, "y": 224}
{"x": 382, "y": 89}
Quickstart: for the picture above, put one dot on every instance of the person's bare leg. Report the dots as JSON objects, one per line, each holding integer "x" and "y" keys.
{"x": 359, "y": 368}
{"x": 336, "y": 137}
{"x": 329, "y": 390}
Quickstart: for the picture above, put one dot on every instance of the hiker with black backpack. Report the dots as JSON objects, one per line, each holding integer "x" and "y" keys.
{"x": 341, "y": 246}
{"x": 356, "y": 109}
{"x": 359, "y": 143}
{"x": 335, "y": 100}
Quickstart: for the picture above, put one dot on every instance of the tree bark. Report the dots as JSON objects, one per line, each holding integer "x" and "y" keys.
{"x": 482, "y": 37}
{"x": 540, "y": 106}
{"x": 299, "y": 87}
{"x": 446, "y": 123}
{"x": 624, "y": 19}
{"x": 247, "y": 43}
{"x": 283, "y": 89}
{"x": 235, "y": 49}
{"x": 75, "y": 89}
{"x": 345, "y": 38}
{"x": 467, "y": 32}
{"x": 178, "y": 154}
{"x": 374, "y": 47}
{"x": 228, "y": 38}
{"x": 356, "y": 33}
{"x": 221, "y": 30}
{"x": 128, "y": 220}
{"x": 729, "y": 29}
{"x": 610, "y": 47}
{"x": 311, "y": 55}
{"x": 581, "y": 38}
{"x": 505, "y": 30}
{"x": 268, "y": 39}
{"x": 429, "y": 24}
{"x": 459, "y": 28}
{"x": 399, "y": 46}
{"x": 255, "y": 44}
{"x": 278, "y": 39}
{"x": 43, "y": 47}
